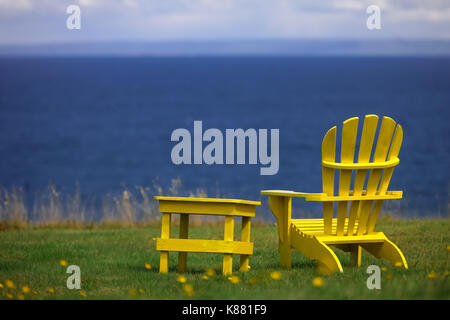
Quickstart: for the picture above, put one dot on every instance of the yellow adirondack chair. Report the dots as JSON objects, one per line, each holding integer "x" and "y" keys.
{"x": 315, "y": 237}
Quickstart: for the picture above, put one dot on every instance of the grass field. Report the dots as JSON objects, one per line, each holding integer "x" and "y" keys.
{"x": 112, "y": 263}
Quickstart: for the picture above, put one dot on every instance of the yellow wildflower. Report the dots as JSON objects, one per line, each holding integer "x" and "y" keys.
{"x": 20, "y": 296}
{"x": 1, "y": 285}
{"x": 448, "y": 247}
{"x": 181, "y": 279}
{"x": 389, "y": 276}
{"x": 26, "y": 289}
{"x": 141, "y": 290}
{"x": 275, "y": 275}
{"x": 210, "y": 272}
{"x": 446, "y": 273}
{"x": 188, "y": 289}
{"x": 253, "y": 281}
{"x": 9, "y": 284}
{"x": 132, "y": 292}
{"x": 63, "y": 263}
{"x": 9, "y": 295}
{"x": 35, "y": 292}
{"x": 51, "y": 290}
{"x": 398, "y": 264}
{"x": 82, "y": 293}
{"x": 383, "y": 269}
{"x": 234, "y": 279}
{"x": 317, "y": 281}
{"x": 205, "y": 277}
{"x": 432, "y": 275}
{"x": 148, "y": 266}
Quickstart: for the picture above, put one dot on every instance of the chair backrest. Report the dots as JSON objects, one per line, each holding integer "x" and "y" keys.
{"x": 376, "y": 170}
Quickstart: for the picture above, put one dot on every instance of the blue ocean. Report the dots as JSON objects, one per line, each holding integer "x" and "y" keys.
{"x": 103, "y": 124}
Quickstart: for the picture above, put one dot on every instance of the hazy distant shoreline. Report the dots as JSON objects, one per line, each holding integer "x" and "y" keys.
{"x": 285, "y": 47}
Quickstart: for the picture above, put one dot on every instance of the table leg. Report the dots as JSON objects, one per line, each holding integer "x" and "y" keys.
{"x": 245, "y": 237}
{"x": 165, "y": 234}
{"x": 184, "y": 230}
{"x": 228, "y": 236}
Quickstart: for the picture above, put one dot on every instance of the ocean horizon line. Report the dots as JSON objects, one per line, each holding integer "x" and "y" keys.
{"x": 233, "y": 48}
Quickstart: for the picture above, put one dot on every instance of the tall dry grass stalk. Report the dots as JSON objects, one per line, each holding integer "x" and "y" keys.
{"x": 13, "y": 211}
{"x": 52, "y": 208}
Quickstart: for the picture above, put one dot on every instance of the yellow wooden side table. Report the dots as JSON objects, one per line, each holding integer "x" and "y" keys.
{"x": 230, "y": 208}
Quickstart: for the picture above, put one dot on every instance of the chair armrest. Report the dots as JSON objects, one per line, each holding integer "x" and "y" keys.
{"x": 325, "y": 197}
{"x": 364, "y": 196}
{"x": 289, "y": 193}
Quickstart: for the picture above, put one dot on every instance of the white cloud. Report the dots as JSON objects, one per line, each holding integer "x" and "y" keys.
{"x": 91, "y": 3}
{"x": 349, "y": 4}
{"x": 15, "y": 4}
{"x": 131, "y": 3}
{"x": 421, "y": 15}
{"x": 43, "y": 20}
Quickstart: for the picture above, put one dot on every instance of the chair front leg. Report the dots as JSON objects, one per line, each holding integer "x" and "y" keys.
{"x": 281, "y": 209}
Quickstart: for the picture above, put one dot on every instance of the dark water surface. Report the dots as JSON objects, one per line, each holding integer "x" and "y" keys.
{"x": 106, "y": 122}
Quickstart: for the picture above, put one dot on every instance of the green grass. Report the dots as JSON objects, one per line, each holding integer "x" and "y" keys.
{"x": 112, "y": 265}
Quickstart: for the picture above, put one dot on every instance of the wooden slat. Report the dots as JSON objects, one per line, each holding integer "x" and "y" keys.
{"x": 209, "y": 200}
{"x": 362, "y": 165}
{"x": 372, "y": 238}
{"x": 328, "y": 154}
{"x": 365, "y": 207}
{"x": 383, "y": 143}
{"x": 303, "y": 228}
{"x": 393, "y": 153}
{"x": 349, "y": 133}
{"x": 306, "y": 229}
{"x": 289, "y": 193}
{"x": 381, "y": 150}
{"x": 372, "y": 220}
{"x": 317, "y": 225}
{"x": 310, "y": 221}
{"x": 207, "y": 246}
{"x": 365, "y": 150}
{"x": 387, "y": 175}
{"x": 211, "y": 208}
{"x": 386, "y": 195}
{"x": 353, "y": 216}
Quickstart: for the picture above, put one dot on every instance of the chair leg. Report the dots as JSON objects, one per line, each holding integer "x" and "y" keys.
{"x": 281, "y": 209}
{"x": 355, "y": 255}
{"x": 285, "y": 251}
{"x": 387, "y": 250}
{"x": 355, "y": 252}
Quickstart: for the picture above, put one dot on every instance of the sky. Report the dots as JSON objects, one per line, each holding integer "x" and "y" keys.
{"x": 44, "y": 21}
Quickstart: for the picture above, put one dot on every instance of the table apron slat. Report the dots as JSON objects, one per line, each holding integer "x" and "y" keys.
{"x": 207, "y": 208}
{"x": 208, "y": 246}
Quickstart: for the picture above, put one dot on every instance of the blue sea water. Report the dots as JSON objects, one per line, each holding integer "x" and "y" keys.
{"x": 106, "y": 122}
